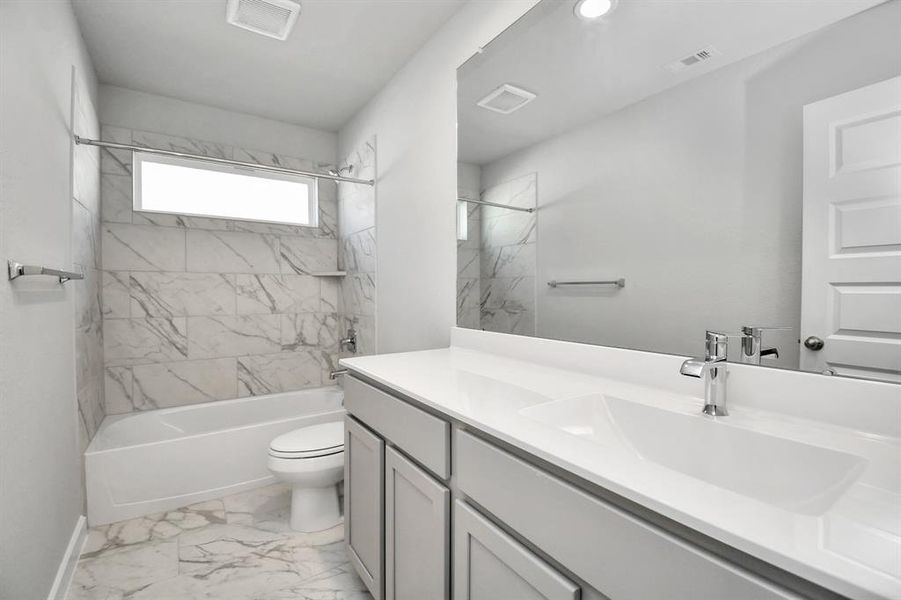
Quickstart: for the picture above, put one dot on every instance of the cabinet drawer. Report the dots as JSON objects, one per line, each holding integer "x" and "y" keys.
{"x": 616, "y": 553}
{"x": 423, "y": 437}
{"x": 489, "y": 564}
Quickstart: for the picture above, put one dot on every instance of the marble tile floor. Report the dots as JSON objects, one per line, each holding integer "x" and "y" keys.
{"x": 236, "y": 548}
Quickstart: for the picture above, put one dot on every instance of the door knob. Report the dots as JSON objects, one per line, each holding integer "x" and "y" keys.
{"x": 814, "y": 343}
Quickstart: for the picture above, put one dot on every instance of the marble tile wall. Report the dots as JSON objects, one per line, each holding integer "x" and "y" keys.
{"x": 86, "y": 246}
{"x": 200, "y": 309}
{"x": 468, "y": 265}
{"x": 357, "y": 247}
{"x": 507, "y": 256}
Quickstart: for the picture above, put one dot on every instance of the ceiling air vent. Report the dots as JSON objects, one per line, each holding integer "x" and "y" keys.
{"x": 691, "y": 60}
{"x": 272, "y": 18}
{"x": 506, "y": 99}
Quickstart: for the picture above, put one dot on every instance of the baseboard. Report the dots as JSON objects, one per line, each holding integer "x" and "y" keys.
{"x": 70, "y": 559}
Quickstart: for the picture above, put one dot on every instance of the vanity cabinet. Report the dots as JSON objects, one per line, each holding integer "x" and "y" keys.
{"x": 417, "y": 535}
{"x": 397, "y": 508}
{"x": 422, "y": 436}
{"x": 490, "y": 565}
{"x": 520, "y": 531}
{"x": 618, "y": 554}
{"x": 364, "y": 476}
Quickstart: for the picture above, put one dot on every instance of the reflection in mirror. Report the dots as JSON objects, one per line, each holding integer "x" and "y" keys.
{"x": 732, "y": 164}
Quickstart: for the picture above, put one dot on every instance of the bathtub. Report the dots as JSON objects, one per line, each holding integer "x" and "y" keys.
{"x": 148, "y": 462}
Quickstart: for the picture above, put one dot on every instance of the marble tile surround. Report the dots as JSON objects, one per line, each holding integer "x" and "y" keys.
{"x": 507, "y": 258}
{"x": 200, "y": 309}
{"x": 86, "y": 250}
{"x": 238, "y": 547}
{"x": 357, "y": 247}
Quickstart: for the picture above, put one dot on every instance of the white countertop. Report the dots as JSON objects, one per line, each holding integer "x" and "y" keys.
{"x": 852, "y": 547}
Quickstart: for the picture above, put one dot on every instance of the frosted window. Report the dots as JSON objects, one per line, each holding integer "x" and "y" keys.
{"x": 462, "y": 221}
{"x": 196, "y": 188}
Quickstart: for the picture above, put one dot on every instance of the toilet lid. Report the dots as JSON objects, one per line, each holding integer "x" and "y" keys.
{"x": 310, "y": 442}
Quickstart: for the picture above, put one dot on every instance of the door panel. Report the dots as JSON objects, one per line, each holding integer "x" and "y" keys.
{"x": 364, "y": 471}
{"x": 417, "y": 524}
{"x": 490, "y": 565}
{"x": 851, "y": 276}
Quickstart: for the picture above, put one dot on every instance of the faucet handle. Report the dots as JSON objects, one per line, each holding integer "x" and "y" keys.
{"x": 715, "y": 345}
{"x": 755, "y": 331}
{"x": 752, "y": 339}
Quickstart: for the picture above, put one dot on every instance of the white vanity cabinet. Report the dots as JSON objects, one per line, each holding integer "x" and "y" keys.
{"x": 520, "y": 531}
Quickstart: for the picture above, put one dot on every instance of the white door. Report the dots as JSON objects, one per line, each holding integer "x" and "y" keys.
{"x": 851, "y": 288}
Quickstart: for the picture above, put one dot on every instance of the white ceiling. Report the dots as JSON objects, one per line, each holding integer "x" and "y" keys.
{"x": 583, "y": 71}
{"x": 340, "y": 53}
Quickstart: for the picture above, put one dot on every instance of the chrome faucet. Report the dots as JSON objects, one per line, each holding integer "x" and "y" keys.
{"x": 713, "y": 370}
{"x": 350, "y": 342}
{"x": 751, "y": 341}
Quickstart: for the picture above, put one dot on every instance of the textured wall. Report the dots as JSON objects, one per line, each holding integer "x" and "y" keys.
{"x": 86, "y": 257}
{"x": 357, "y": 246}
{"x": 508, "y": 257}
{"x": 199, "y": 309}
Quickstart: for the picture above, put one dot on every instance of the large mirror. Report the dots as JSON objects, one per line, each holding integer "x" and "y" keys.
{"x": 673, "y": 167}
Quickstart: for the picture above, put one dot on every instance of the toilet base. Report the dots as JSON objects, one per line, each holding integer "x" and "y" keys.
{"x": 314, "y": 509}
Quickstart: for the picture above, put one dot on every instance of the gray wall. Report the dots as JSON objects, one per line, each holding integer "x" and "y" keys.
{"x": 41, "y": 493}
{"x": 694, "y": 196}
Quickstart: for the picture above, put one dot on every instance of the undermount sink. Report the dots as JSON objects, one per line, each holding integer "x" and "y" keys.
{"x": 793, "y": 475}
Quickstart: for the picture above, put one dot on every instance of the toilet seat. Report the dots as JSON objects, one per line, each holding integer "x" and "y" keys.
{"x": 315, "y": 441}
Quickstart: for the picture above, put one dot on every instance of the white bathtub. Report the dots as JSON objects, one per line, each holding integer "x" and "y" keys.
{"x": 153, "y": 461}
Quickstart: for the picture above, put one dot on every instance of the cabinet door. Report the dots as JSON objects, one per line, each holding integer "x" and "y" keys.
{"x": 364, "y": 502}
{"x": 491, "y": 565}
{"x": 417, "y": 531}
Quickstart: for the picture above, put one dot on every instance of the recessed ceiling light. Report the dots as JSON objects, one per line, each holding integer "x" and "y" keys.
{"x": 590, "y": 10}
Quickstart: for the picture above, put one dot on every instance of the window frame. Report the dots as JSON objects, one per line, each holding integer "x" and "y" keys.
{"x": 312, "y": 184}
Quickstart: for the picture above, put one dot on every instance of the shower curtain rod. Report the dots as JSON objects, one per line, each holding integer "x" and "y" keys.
{"x": 220, "y": 161}
{"x": 507, "y": 206}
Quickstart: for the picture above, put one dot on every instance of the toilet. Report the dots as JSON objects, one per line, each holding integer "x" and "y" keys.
{"x": 311, "y": 459}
